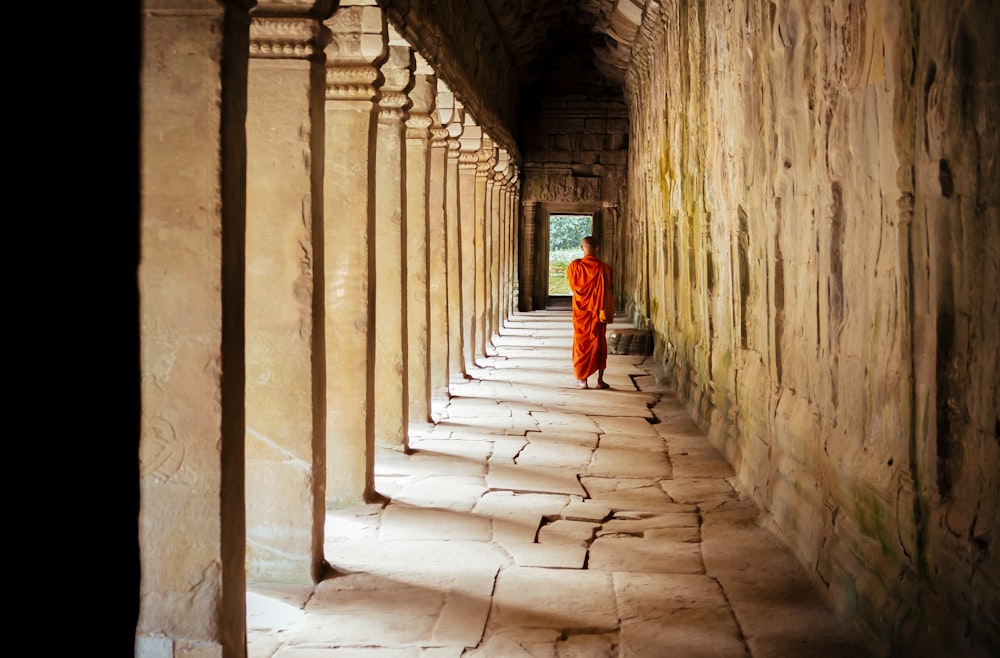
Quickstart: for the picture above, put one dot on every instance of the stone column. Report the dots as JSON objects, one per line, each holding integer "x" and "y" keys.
{"x": 285, "y": 443}
{"x": 353, "y": 58}
{"x": 192, "y": 595}
{"x": 494, "y": 248}
{"x": 498, "y": 248}
{"x": 468, "y": 161}
{"x": 526, "y": 267}
{"x": 437, "y": 237}
{"x": 513, "y": 242}
{"x": 418, "y": 164}
{"x": 456, "y": 362}
{"x": 390, "y": 259}
{"x": 484, "y": 171}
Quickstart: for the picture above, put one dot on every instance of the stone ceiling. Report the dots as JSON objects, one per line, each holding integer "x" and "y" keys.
{"x": 533, "y": 30}
{"x": 505, "y": 59}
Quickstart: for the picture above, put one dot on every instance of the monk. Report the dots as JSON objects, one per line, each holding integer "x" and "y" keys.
{"x": 588, "y": 277}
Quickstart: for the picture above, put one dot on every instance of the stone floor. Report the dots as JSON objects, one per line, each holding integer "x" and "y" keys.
{"x": 534, "y": 519}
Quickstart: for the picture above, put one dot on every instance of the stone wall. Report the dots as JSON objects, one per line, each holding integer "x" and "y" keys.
{"x": 811, "y": 231}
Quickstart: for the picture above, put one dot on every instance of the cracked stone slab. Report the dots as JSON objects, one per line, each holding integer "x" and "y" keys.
{"x": 549, "y": 556}
{"x": 517, "y": 517}
{"x": 362, "y": 609}
{"x": 638, "y": 443}
{"x": 586, "y": 510}
{"x": 529, "y": 479}
{"x": 506, "y": 449}
{"x": 560, "y": 437}
{"x": 639, "y": 494}
{"x": 561, "y": 421}
{"x": 659, "y": 555}
{"x": 543, "y": 643}
{"x": 626, "y": 525}
{"x": 676, "y": 615}
{"x": 628, "y": 462}
{"x": 707, "y": 493}
{"x": 561, "y": 599}
{"x": 579, "y": 533}
{"x": 539, "y": 453}
{"x": 627, "y": 426}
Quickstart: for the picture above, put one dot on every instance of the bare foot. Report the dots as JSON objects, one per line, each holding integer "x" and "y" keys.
{"x": 581, "y": 383}
{"x": 602, "y": 385}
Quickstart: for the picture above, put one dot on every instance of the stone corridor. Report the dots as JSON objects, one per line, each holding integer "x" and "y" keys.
{"x": 535, "y": 519}
{"x": 356, "y": 426}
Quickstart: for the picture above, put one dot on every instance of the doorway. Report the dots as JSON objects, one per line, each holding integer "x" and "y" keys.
{"x": 565, "y": 232}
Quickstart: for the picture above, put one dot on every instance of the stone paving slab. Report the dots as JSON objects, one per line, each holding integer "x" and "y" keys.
{"x": 649, "y": 523}
{"x": 561, "y": 599}
{"x": 653, "y": 555}
{"x": 542, "y": 453}
{"x": 564, "y": 532}
{"x": 558, "y": 437}
{"x": 402, "y": 522}
{"x": 629, "y": 462}
{"x": 550, "y": 555}
{"x": 707, "y": 493}
{"x": 586, "y": 510}
{"x": 676, "y": 615}
{"x": 544, "y": 643}
{"x": 451, "y": 492}
{"x": 532, "y": 479}
{"x": 638, "y": 494}
{"x": 517, "y": 517}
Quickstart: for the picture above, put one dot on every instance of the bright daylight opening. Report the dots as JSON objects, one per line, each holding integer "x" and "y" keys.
{"x": 565, "y": 233}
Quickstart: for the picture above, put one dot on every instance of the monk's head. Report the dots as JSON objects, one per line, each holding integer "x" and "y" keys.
{"x": 589, "y": 246}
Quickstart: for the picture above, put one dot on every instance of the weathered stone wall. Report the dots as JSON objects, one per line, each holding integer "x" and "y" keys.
{"x": 813, "y": 232}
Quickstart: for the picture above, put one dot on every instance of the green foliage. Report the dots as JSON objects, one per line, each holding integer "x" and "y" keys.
{"x": 558, "y": 262}
{"x": 565, "y": 231}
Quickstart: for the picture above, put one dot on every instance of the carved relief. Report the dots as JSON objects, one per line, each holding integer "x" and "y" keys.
{"x": 162, "y": 454}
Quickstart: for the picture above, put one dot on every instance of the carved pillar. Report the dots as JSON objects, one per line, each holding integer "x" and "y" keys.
{"x": 192, "y": 595}
{"x": 497, "y": 250}
{"x": 513, "y": 241}
{"x": 390, "y": 269}
{"x": 456, "y": 362}
{"x": 493, "y": 248}
{"x": 353, "y": 58}
{"x": 437, "y": 238}
{"x": 484, "y": 172}
{"x": 468, "y": 161}
{"x": 526, "y": 260}
{"x": 285, "y": 446}
{"x": 418, "y": 164}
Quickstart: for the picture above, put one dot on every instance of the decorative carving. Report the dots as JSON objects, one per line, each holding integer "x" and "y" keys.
{"x": 351, "y": 83}
{"x": 439, "y": 136}
{"x": 418, "y": 126}
{"x": 284, "y": 38}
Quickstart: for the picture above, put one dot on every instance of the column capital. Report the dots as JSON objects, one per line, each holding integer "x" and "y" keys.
{"x": 397, "y": 74}
{"x": 423, "y": 94}
{"x": 487, "y": 159}
{"x": 356, "y": 48}
{"x": 358, "y": 37}
{"x": 439, "y": 136}
{"x": 276, "y": 37}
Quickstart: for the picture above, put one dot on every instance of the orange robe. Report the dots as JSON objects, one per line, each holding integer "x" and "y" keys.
{"x": 586, "y": 277}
